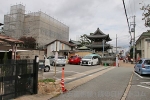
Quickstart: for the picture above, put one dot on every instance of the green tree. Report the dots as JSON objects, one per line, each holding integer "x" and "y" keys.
{"x": 2, "y": 31}
{"x": 146, "y": 14}
{"x": 84, "y": 40}
{"x": 29, "y": 42}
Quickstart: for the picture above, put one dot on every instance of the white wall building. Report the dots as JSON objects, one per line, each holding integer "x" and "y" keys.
{"x": 62, "y": 47}
{"x": 143, "y": 45}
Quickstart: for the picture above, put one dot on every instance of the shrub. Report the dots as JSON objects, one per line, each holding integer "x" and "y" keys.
{"x": 47, "y": 80}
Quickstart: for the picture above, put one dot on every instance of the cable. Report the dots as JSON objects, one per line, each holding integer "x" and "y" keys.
{"x": 126, "y": 17}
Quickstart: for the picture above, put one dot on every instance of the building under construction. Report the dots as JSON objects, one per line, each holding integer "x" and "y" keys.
{"x": 39, "y": 25}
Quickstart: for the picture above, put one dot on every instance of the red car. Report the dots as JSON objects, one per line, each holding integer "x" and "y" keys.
{"x": 74, "y": 60}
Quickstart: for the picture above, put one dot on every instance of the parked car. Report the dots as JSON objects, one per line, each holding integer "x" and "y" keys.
{"x": 44, "y": 65}
{"x": 74, "y": 60}
{"x": 60, "y": 60}
{"x": 142, "y": 66}
{"x": 51, "y": 59}
{"x": 92, "y": 59}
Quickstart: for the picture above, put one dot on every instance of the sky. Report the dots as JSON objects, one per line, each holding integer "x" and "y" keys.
{"x": 85, "y": 16}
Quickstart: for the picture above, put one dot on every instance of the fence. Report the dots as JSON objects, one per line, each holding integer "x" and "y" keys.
{"x": 17, "y": 78}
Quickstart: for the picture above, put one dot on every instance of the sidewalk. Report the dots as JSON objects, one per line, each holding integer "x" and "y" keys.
{"x": 122, "y": 64}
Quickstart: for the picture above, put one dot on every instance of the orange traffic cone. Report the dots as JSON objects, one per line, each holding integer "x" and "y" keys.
{"x": 62, "y": 82}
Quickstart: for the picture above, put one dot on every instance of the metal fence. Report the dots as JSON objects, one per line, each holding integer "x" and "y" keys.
{"x": 17, "y": 78}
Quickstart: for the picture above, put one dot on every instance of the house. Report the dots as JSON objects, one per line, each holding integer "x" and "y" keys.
{"x": 76, "y": 43}
{"x": 7, "y": 43}
{"x": 143, "y": 45}
{"x": 62, "y": 47}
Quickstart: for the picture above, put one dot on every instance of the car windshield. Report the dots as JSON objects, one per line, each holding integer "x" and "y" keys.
{"x": 72, "y": 56}
{"x": 50, "y": 57}
{"x": 87, "y": 57}
{"x": 147, "y": 62}
{"x": 61, "y": 57}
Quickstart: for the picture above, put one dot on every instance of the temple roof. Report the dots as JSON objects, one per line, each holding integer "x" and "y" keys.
{"x": 83, "y": 48}
{"x": 75, "y": 42}
{"x": 98, "y": 34}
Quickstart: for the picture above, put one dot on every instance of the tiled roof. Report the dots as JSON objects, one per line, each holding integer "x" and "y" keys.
{"x": 67, "y": 43}
{"x": 7, "y": 39}
{"x": 75, "y": 42}
{"x": 144, "y": 35}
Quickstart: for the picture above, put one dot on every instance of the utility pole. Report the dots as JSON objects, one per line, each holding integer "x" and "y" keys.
{"x": 116, "y": 53}
{"x": 134, "y": 40}
{"x": 116, "y": 44}
{"x": 103, "y": 47}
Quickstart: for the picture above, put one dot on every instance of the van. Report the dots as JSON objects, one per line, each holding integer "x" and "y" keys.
{"x": 92, "y": 59}
{"x": 45, "y": 64}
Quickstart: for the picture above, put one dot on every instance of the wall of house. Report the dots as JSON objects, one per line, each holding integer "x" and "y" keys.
{"x": 30, "y": 54}
{"x": 60, "y": 46}
{"x": 147, "y": 47}
{"x": 144, "y": 46}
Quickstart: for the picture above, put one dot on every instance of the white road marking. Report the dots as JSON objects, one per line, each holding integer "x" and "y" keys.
{"x": 145, "y": 82}
{"x": 144, "y": 86}
{"x": 138, "y": 75}
{"x": 75, "y": 72}
{"x": 70, "y": 78}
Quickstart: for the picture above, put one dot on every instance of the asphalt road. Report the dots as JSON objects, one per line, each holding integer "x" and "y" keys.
{"x": 69, "y": 70}
{"x": 108, "y": 86}
{"x": 140, "y": 88}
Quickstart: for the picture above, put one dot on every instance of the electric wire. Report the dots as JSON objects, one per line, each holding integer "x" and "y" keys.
{"x": 126, "y": 17}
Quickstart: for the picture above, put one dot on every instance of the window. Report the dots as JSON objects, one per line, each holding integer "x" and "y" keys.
{"x": 147, "y": 62}
{"x": 139, "y": 62}
{"x": 61, "y": 57}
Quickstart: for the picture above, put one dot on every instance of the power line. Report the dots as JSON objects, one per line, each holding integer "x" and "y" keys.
{"x": 126, "y": 17}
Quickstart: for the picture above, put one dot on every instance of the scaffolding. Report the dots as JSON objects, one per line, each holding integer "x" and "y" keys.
{"x": 39, "y": 25}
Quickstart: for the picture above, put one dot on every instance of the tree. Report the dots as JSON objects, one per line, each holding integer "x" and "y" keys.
{"x": 2, "y": 30}
{"x": 29, "y": 42}
{"x": 84, "y": 40}
{"x": 146, "y": 14}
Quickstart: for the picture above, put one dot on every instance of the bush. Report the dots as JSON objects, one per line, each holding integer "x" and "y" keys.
{"x": 47, "y": 80}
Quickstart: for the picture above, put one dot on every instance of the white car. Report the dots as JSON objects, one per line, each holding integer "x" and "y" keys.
{"x": 60, "y": 61}
{"x": 45, "y": 65}
{"x": 92, "y": 59}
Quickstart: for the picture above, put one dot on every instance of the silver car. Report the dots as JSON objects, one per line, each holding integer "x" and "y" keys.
{"x": 60, "y": 61}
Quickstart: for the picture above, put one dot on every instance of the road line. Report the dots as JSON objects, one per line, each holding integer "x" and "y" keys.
{"x": 73, "y": 84}
{"x": 144, "y": 86}
{"x": 138, "y": 75}
{"x": 127, "y": 89}
{"x": 145, "y": 82}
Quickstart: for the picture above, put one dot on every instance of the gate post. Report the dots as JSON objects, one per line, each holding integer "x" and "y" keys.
{"x": 35, "y": 82}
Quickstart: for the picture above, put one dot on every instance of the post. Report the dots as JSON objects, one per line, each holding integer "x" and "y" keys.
{"x": 134, "y": 42}
{"x": 56, "y": 57}
{"x": 116, "y": 53}
{"x": 103, "y": 48}
{"x": 35, "y": 82}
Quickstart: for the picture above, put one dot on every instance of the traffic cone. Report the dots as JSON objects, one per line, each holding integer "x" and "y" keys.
{"x": 62, "y": 82}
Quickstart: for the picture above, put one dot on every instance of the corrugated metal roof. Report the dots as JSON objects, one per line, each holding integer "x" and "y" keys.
{"x": 4, "y": 38}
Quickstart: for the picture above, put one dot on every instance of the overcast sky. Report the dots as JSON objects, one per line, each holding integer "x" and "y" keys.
{"x": 85, "y": 16}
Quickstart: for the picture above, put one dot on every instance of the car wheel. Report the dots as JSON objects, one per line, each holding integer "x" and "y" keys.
{"x": 47, "y": 68}
{"x": 63, "y": 65}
